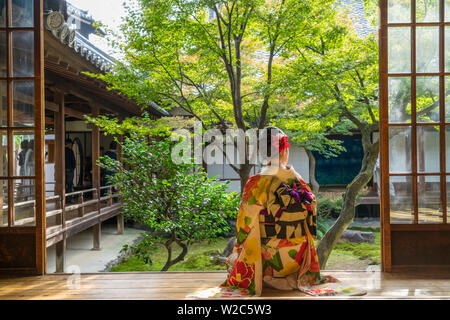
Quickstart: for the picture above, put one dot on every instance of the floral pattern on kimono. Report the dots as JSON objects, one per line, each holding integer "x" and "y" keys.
{"x": 271, "y": 211}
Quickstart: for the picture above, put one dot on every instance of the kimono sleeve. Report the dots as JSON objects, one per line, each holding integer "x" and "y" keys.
{"x": 245, "y": 265}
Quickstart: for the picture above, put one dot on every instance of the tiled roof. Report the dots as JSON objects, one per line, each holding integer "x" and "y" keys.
{"x": 77, "y": 12}
{"x": 83, "y": 47}
{"x": 54, "y": 22}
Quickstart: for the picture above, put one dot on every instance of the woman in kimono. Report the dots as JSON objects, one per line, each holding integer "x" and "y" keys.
{"x": 275, "y": 229}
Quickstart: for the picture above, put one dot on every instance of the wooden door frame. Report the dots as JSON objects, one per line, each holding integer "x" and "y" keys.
{"x": 386, "y": 227}
{"x": 34, "y": 237}
{"x": 39, "y": 115}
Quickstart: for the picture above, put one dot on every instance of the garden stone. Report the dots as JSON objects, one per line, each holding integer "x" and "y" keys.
{"x": 229, "y": 249}
{"x": 356, "y": 236}
{"x": 218, "y": 260}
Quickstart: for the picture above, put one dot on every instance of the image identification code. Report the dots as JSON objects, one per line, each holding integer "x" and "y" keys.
{"x": 232, "y": 309}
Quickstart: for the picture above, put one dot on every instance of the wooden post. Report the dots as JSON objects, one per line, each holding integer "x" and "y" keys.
{"x": 60, "y": 176}
{"x": 97, "y": 229}
{"x": 60, "y": 161}
{"x": 110, "y": 195}
{"x": 120, "y": 224}
{"x": 81, "y": 201}
{"x": 120, "y": 220}
{"x": 60, "y": 255}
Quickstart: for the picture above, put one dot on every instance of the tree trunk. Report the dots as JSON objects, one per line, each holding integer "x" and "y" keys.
{"x": 347, "y": 215}
{"x": 244, "y": 174}
{"x": 168, "y": 246}
{"x": 312, "y": 172}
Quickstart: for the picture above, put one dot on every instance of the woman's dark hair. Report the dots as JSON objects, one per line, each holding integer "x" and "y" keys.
{"x": 113, "y": 145}
{"x": 265, "y": 142}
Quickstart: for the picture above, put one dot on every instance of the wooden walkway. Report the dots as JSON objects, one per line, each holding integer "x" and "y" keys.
{"x": 178, "y": 285}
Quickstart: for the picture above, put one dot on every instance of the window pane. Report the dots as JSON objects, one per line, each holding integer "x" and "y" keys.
{"x": 447, "y": 148}
{"x": 427, "y": 10}
{"x": 402, "y": 210}
{"x": 3, "y": 154}
{"x": 429, "y": 199}
{"x": 3, "y": 13}
{"x": 399, "y": 50}
{"x": 400, "y": 100}
{"x": 22, "y": 13}
{"x": 4, "y": 104}
{"x": 428, "y": 142}
{"x": 447, "y": 10}
{"x": 23, "y": 154}
{"x": 23, "y": 54}
{"x": 400, "y": 149}
{"x": 4, "y": 203}
{"x": 3, "y": 56}
{"x": 399, "y": 11}
{"x": 427, "y": 42}
{"x": 447, "y": 49}
{"x": 23, "y": 96}
{"x": 427, "y": 97}
{"x": 448, "y": 199}
{"x": 447, "y": 99}
{"x": 24, "y": 203}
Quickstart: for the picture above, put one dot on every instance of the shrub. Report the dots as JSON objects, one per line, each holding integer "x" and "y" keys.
{"x": 328, "y": 207}
{"x": 180, "y": 200}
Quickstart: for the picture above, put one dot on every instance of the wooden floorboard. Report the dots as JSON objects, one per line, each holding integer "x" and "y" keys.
{"x": 178, "y": 285}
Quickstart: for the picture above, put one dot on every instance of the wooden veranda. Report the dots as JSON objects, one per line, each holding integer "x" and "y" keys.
{"x": 179, "y": 285}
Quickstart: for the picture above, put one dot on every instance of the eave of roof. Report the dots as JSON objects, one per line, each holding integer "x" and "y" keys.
{"x": 100, "y": 60}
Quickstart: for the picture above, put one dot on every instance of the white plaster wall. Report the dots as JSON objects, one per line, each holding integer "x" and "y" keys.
{"x": 49, "y": 178}
{"x": 298, "y": 158}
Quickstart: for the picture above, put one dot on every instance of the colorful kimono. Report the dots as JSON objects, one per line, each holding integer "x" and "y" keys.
{"x": 275, "y": 232}
{"x": 276, "y": 228}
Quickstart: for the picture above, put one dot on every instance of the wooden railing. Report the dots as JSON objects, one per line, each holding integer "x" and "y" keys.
{"x": 81, "y": 210}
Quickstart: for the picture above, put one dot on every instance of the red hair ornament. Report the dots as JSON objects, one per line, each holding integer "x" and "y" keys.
{"x": 280, "y": 144}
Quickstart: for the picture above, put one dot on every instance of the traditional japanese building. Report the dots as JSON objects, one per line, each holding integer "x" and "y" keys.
{"x": 44, "y": 50}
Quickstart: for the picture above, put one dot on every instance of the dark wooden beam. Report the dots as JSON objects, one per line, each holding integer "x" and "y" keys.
{"x": 91, "y": 94}
{"x": 97, "y": 229}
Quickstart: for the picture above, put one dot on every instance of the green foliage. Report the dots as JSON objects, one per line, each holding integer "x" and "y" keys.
{"x": 145, "y": 248}
{"x": 337, "y": 73}
{"x": 177, "y": 199}
{"x": 221, "y": 61}
{"x": 364, "y": 251}
{"x": 308, "y": 132}
{"x": 198, "y": 258}
{"x": 169, "y": 197}
{"x": 142, "y": 126}
{"x": 328, "y": 206}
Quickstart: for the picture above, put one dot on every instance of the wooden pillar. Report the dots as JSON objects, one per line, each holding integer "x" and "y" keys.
{"x": 60, "y": 161}
{"x": 120, "y": 224}
{"x": 60, "y": 177}
{"x": 60, "y": 256}
{"x": 97, "y": 232}
{"x": 97, "y": 229}
{"x": 80, "y": 202}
